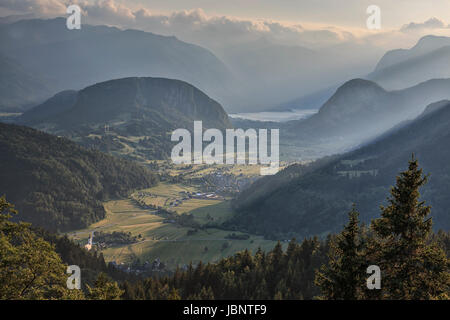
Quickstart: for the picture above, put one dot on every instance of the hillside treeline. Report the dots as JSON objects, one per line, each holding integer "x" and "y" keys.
{"x": 56, "y": 184}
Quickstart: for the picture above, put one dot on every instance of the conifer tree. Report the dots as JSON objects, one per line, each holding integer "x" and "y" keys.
{"x": 104, "y": 289}
{"x": 411, "y": 267}
{"x": 343, "y": 277}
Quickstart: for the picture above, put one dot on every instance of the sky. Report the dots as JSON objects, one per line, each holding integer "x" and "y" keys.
{"x": 345, "y": 13}
{"x": 214, "y": 23}
{"x": 349, "y": 13}
{"x": 233, "y": 28}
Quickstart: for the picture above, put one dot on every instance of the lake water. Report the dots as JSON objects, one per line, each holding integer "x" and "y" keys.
{"x": 275, "y": 116}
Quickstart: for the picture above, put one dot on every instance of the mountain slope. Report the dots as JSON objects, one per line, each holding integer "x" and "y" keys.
{"x": 19, "y": 88}
{"x": 397, "y": 69}
{"x": 272, "y": 71}
{"x": 59, "y": 103}
{"x": 424, "y": 46}
{"x": 262, "y": 64}
{"x": 309, "y": 101}
{"x": 75, "y": 59}
{"x": 428, "y": 59}
{"x": 360, "y": 110}
{"x": 148, "y": 109}
{"x": 314, "y": 200}
{"x": 59, "y": 185}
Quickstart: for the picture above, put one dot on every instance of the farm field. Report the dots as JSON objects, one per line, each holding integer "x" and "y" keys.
{"x": 175, "y": 198}
{"x": 170, "y": 242}
{"x": 191, "y": 171}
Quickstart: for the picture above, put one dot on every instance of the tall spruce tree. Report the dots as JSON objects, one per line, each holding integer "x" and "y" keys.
{"x": 343, "y": 277}
{"x": 104, "y": 289}
{"x": 411, "y": 266}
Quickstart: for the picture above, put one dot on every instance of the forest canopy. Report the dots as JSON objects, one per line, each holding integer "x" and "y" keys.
{"x": 59, "y": 185}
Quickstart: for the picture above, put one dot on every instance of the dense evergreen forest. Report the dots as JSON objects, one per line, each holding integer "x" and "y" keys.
{"x": 414, "y": 262}
{"x": 56, "y": 184}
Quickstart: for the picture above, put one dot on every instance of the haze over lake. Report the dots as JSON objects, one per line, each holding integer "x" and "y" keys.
{"x": 275, "y": 116}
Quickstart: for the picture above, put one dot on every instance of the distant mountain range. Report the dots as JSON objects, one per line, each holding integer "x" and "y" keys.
{"x": 397, "y": 69}
{"x": 428, "y": 59}
{"x": 73, "y": 59}
{"x": 313, "y": 200}
{"x": 59, "y": 185}
{"x": 361, "y": 110}
{"x": 271, "y": 72}
{"x": 424, "y": 46}
{"x": 107, "y": 114}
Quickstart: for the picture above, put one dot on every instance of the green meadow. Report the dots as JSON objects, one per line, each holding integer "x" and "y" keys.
{"x": 169, "y": 242}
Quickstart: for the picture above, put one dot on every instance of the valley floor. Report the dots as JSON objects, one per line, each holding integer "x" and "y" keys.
{"x": 166, "y": 240}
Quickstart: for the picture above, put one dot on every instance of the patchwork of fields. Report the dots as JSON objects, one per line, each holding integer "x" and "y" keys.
{"x": 173, "y": 244}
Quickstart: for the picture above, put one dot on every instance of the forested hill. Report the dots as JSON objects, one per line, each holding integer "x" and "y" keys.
{"x": 158, "y": 102}
{"x": 140, "y": 114}
{"x": 59, "y": 185}
{"x": 315, "y": 200}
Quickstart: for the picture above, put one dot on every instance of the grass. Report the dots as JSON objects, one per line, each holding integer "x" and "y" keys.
{"x": 164, "y": 193}
{"x": 166, "y": 241}
{"x": 193, "y": 204}
{"x": 216, "y": 213}
{"x": 169, "y": 190}
{"x": 191, "y": 171}
{"x": 206, "y": 246}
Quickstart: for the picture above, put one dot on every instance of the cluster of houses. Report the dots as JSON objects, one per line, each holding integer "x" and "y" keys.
{"x": 155, "y": 266}
{"x": 185, "y": 195}
{"x": 206, "y": 196}
{"x": 358, "y": 173}
{"x": 226, "y": 183}
{"x": 354, "y": 172}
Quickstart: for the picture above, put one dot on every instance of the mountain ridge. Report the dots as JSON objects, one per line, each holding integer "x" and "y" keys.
{"x": 361, "y": 109}
{"x": 75, "y": 59}
{"x": 403, "y": 68}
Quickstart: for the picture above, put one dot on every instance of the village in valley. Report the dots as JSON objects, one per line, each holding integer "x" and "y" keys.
{"x": 175, "y": 223}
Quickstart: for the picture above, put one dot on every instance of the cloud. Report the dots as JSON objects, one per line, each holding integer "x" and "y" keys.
{"x": 216, "y": 32}
{"x": 43, "y": 7}
{"x": 196, "y": 26}
{"x": 432, "y": 23}
{"x": 107, "y": 11}
{"x": 189, "y": 25}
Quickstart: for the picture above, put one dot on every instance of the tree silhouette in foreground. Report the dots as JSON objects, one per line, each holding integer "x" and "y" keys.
{"x": 412, "y": 266}
{"x": 104, "y": 289}
{"x": 401, "y": 243}
{"x": 343, "y": 277}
